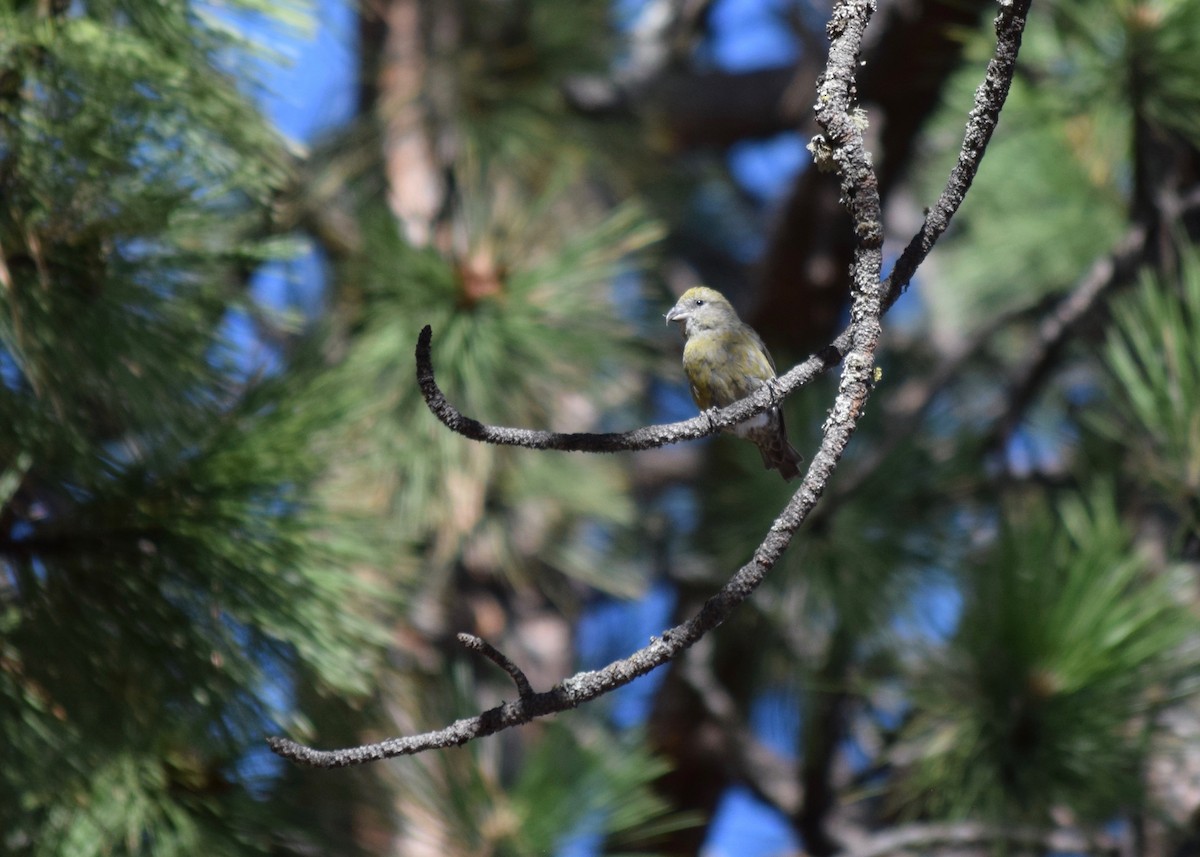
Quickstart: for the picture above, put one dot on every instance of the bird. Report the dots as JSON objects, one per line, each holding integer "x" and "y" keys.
{"x": 725, "y": 360}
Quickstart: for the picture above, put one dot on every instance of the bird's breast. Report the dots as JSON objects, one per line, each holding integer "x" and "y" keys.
{"x": 723, "y": 367}
{"x": 752, "y": 425}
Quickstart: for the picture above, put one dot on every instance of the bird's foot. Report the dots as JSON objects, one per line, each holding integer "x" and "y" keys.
{"x": 772, "y": 385}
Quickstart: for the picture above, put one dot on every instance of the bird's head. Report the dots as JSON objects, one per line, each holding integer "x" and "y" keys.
{"x": 701, "y": 308}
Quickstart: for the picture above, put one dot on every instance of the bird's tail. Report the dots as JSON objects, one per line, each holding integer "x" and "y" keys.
{"x": 782, "y": 456}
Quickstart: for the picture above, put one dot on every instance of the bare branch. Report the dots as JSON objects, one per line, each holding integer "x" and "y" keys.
{"x": 1055, "y": 329}
{"x": 483, "y": 647}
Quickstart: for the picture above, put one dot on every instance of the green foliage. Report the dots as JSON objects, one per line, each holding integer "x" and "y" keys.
{"x": 107, "y": 116}
{"x": 1054, "y": 191}
{"x": 1136, "y": 53}
{"x": 1056, "y": 186}
{"x": 1046, "y": 202}
{"x": 170, "y": 556}
{"x": 1155, "y": 383}
{"x": 1044, "y": 697}
{"x": 165, "y": 569}
{"x": 1070, "y": 641}
{"x": 536, "y": 348}
{"x": 578, "y": 777}
{"x": 595, "y": 781}
{"x": 508, "y": 74}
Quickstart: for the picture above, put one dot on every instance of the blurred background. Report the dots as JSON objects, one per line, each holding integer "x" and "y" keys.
{"x": 226, "y": 513}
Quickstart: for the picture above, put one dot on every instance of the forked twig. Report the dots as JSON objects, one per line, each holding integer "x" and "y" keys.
{"x": 483, "y": 647}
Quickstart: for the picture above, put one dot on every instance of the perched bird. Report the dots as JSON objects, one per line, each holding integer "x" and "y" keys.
{"x": 725, "y": 360}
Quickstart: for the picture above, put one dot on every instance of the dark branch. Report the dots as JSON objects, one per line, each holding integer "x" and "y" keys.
{"x": 1104, "y": 277}
{"x": 483, "y": 647}
{"x": 1056, "y": 328}
{"x": 771, "y": 776}
{"x": 60, "y": 543}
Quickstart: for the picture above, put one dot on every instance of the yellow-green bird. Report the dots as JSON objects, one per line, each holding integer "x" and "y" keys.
{"x": 725, "y": 360}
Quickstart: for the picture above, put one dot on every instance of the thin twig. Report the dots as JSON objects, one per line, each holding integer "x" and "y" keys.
{"x": 1056, "y": 328}
{"x": 483, "y": 647}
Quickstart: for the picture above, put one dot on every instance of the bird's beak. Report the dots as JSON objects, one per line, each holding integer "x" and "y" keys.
{"x": 676, "y": 314}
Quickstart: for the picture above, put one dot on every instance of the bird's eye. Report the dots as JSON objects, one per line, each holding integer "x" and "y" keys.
{"x": 698, "y": 302}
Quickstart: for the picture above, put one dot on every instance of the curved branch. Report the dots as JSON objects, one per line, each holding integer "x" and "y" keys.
{"x": 647, "y": 437}
{"x": 483, "y": 647}
{"x": 989, "y": 99}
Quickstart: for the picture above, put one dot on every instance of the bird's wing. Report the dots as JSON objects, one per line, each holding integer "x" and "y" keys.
{"x": 754, "y": 355}
{"x": 726, "y": 366}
